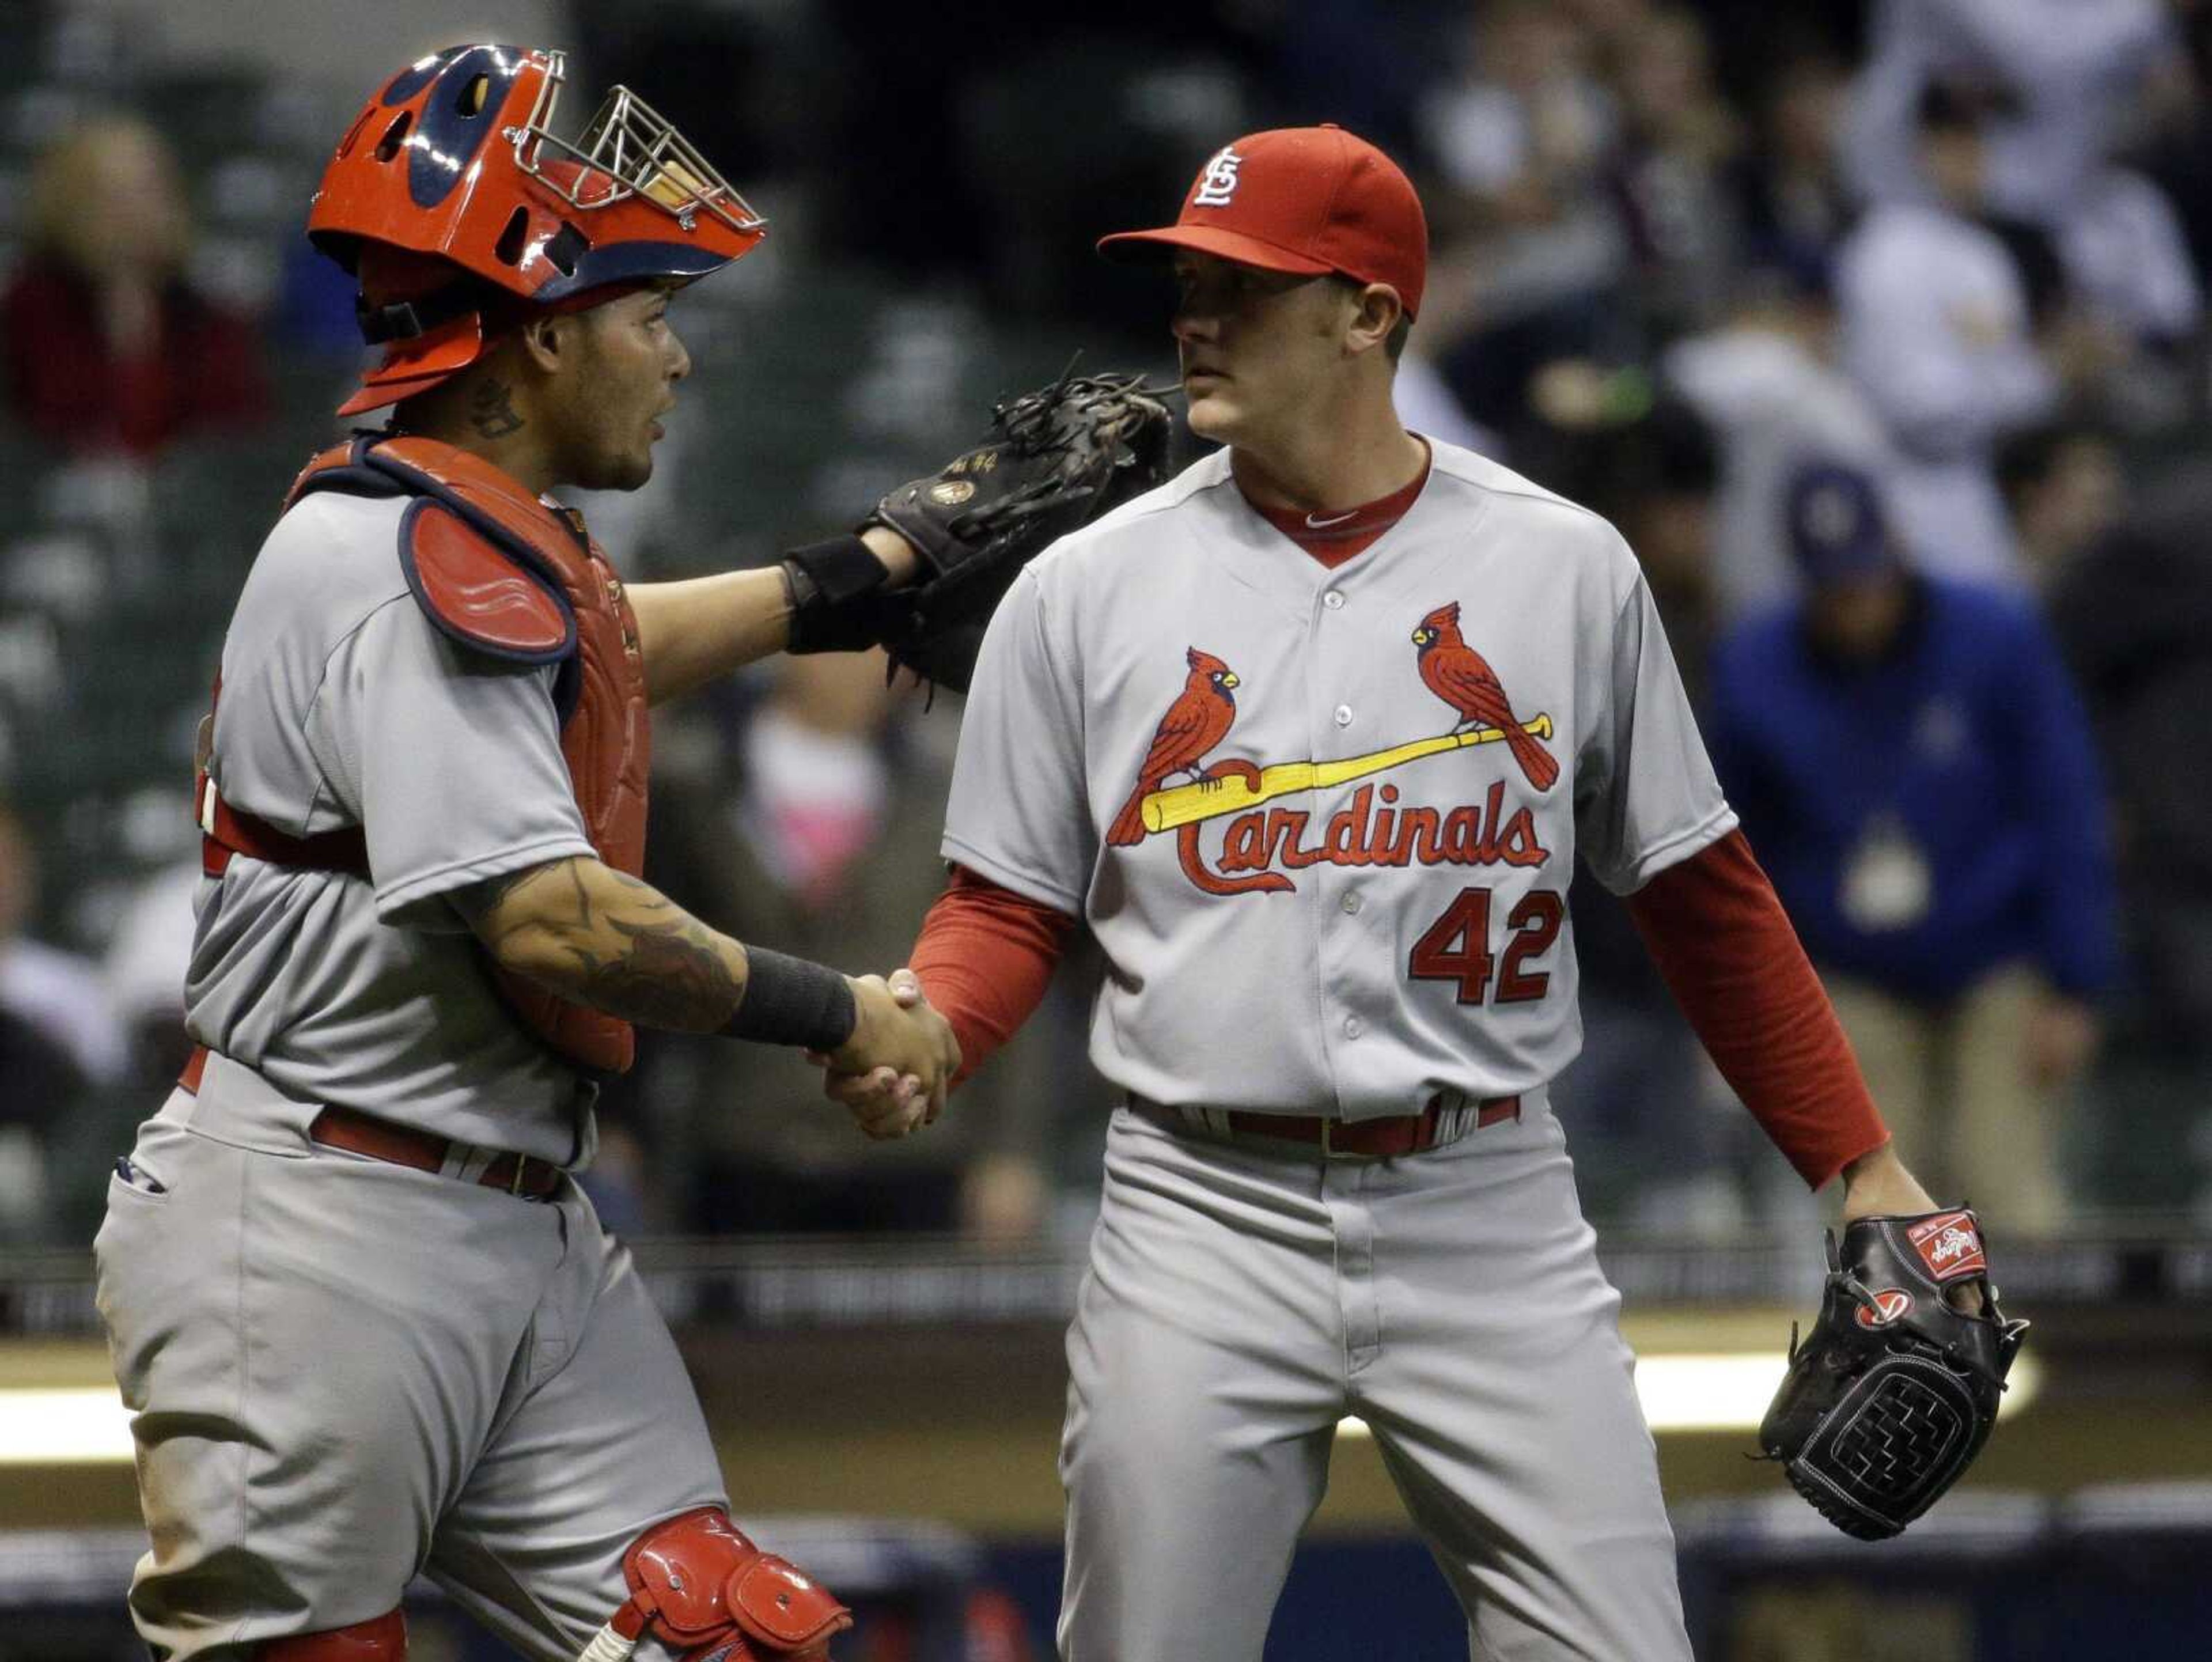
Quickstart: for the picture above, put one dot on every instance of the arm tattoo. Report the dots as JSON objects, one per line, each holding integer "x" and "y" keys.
{"x": 632, "y": 952}
{"x": 670, "y": 975}
{"x": 492, "y": 410}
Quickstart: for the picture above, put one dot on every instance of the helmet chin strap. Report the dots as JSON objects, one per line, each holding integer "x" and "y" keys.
{"x": 410, "y": 319}
{"x": 437, "y": 324}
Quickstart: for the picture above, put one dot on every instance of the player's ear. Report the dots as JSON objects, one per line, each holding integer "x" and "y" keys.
{"x": 1375, "y": 311}
{"x": 542, "y": 340}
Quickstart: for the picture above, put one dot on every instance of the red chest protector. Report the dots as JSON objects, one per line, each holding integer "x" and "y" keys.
{"x": 496, "y": 568}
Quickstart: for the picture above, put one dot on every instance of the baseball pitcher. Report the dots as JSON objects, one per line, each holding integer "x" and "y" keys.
{"x": 1310, "y": 737}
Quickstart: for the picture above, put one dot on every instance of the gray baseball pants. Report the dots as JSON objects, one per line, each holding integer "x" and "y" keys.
{"x": 345, "y": 1371}
{"x": 1242, "y": 1297}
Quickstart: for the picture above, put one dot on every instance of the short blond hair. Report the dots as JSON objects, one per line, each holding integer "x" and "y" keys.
{"x": 72, "y": 199}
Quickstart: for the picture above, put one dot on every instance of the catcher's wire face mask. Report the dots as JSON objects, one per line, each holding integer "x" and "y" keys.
{"x": 453, "y": 168}
{"x": 628, "y": 150}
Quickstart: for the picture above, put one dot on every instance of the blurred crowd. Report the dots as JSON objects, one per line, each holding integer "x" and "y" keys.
{"x": 1877, "y": 328}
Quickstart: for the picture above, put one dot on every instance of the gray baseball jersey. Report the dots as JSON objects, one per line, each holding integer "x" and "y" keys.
{"x": 1322, "y": 822}
{"x": 342, "y": 704}
{"x": 1386, "y": 911}
{"x": 347, "y": 1371}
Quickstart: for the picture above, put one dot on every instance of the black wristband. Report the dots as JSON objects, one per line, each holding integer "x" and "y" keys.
{"x": 841, "y": 569}
{"x": 792, "y": 1001}
{"x": 832, "y": 586}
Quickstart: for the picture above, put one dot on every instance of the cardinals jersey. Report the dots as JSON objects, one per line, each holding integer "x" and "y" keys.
{"x": 1322, "y": 822}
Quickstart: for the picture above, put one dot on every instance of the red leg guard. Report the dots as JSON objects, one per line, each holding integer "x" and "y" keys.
{"x": 701, "y": 1588}
{"x": 384, "y": 1640}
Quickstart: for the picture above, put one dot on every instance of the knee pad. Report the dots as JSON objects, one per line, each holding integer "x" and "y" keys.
{"x": 384, "y": 1640}
{"x": 708, "y": 1594}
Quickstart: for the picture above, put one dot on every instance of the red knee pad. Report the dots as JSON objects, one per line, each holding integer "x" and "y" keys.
{"x": 384, "y": 1640}
{"x": 699, "y": 1586}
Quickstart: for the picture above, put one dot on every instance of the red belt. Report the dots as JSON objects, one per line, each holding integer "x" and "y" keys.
{"x": 402, "y": 1145}
{"x": 1361, "y": 1139}
{"x": 226, "y": 830}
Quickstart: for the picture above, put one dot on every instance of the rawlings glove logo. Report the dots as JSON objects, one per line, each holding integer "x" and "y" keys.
{"x": 1889, "y": 1305}
{"x": 1949, "y": 1246}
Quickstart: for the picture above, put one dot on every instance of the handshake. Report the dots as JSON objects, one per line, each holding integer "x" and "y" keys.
{"x": 894, "y": 1072}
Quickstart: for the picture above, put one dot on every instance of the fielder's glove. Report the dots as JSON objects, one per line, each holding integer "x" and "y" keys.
{"x": 1894, "y": 1392}
{"x": 1058, "y": 458}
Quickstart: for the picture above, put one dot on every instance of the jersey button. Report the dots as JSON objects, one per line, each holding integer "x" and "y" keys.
{"x": 1344, "y": 716}
{"x": 1350, "y": 903}
{"x": 1353, "y": 1026}
{"x": 1333, "y": 599}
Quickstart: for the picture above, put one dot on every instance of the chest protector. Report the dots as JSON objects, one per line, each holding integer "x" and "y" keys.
{"x": 504, "y": 573}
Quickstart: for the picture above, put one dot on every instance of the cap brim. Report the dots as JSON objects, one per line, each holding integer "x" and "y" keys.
{"x": 1212, "y": 240}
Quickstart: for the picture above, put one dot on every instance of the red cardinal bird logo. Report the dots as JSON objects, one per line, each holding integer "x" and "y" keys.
{"x": 1199, "y": 719}
{"x": 1455, "y": 672}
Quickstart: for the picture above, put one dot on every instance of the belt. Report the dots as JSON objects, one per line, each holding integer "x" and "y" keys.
{"x": 1447, "y": 1118}
{"x": 225, "y": 831}
{"x": 357, "y": 1133}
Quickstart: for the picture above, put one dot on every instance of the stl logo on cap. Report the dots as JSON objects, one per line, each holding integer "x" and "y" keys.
{"x": 1319, "y": 199}
{"x": 1219, "y": 182}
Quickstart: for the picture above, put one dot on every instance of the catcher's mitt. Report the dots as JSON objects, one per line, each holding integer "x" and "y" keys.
{"x": 1894, "y": 1392}
{"x": 1058, "y": 458}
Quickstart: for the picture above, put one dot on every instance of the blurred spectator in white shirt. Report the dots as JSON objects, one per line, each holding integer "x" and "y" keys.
{"x": 1671, "y": 173}
{"x": 1767, "y": 382}
{"x": 1521, "y": 139}
{"x": 56, "y": 1039}
{"x": 1936, "y": 330}
{"x": 2075, "y": 70}
{"x": 144, "y": 969}
{"x": 55, "y": 991}
{"x": 2124, "y": 253}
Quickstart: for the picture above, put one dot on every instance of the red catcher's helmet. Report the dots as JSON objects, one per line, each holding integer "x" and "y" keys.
{"x": 453, "y": 173}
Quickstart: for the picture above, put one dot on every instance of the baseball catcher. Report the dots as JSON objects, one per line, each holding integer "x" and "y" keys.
{"x": 1894, "y": 1390}
{"x": 1058, "y": 458}
{"x": 433, "y": 726}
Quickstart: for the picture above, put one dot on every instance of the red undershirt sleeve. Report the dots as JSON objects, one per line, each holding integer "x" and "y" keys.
{"x": 1718, "y": 932}
{"x": 985, "y": 957}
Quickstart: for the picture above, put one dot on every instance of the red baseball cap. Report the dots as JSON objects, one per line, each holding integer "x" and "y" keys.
{"x": 1311, "y": 200}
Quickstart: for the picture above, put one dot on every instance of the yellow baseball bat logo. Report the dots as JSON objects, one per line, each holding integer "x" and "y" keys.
{"x": 1165, "y": 810}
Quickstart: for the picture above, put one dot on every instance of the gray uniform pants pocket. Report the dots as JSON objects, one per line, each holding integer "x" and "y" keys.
{"x": 345, "y": 1373}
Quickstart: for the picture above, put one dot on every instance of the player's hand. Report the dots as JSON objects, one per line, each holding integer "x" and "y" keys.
{"x": 882, "y": 1101}
{"x": 906, "y": 991}
{"x": 1877, "y": 1184}
{"x": 905, "y": 1038}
